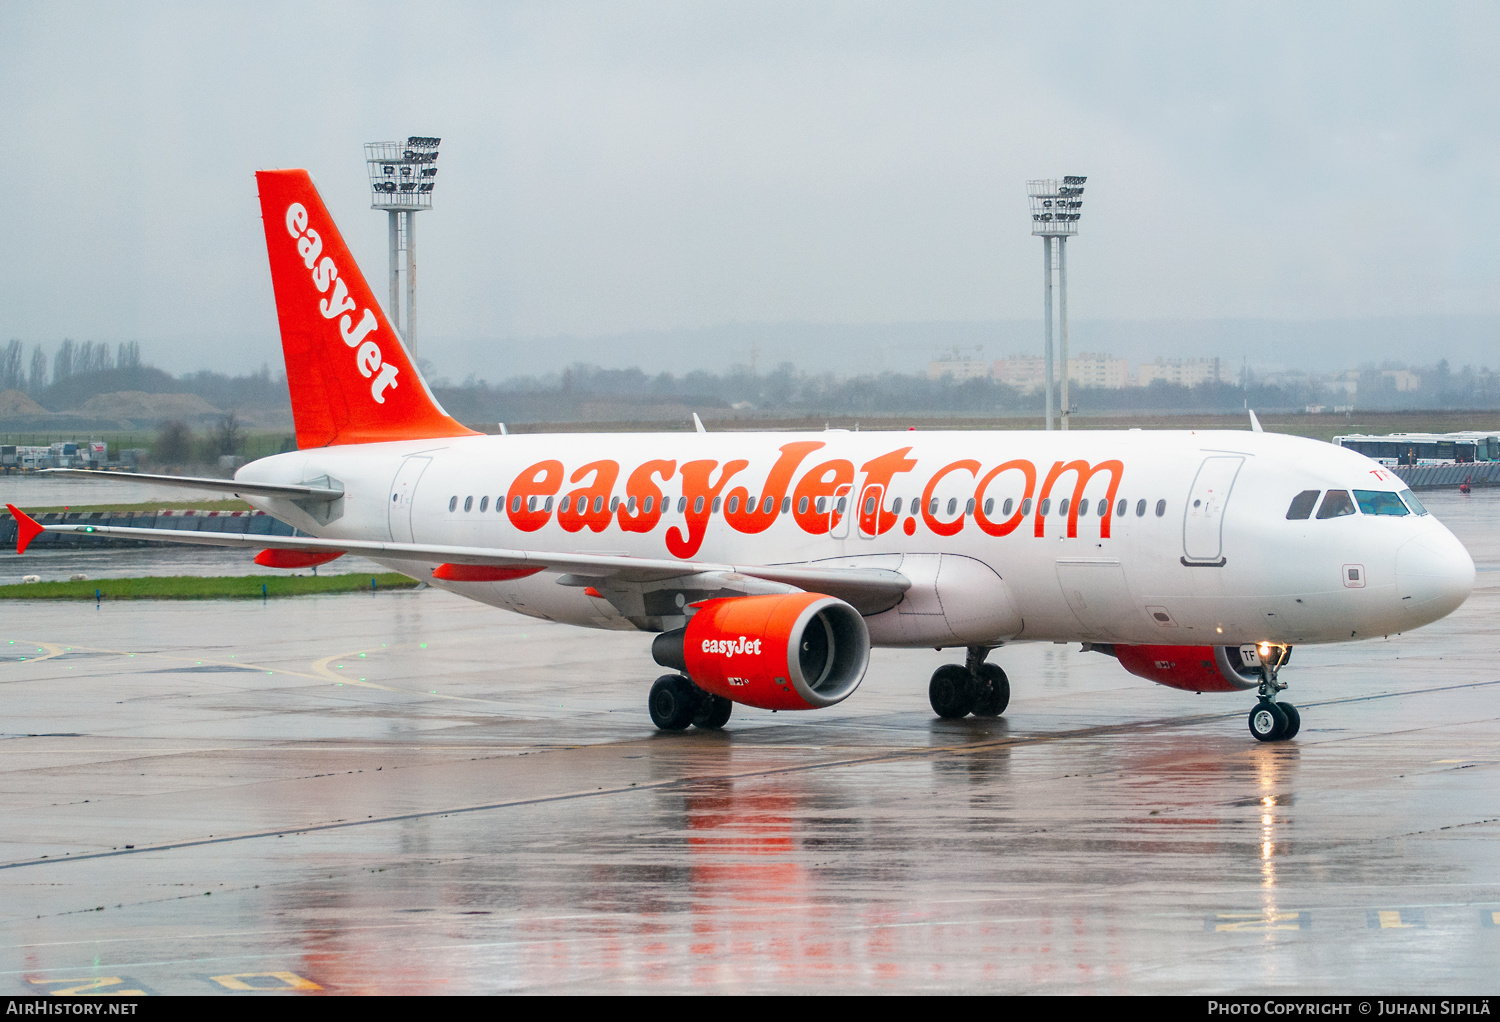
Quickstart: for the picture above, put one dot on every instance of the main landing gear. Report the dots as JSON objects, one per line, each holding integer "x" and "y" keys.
{"x": 1273, "y": 721}
{"x": 973, "y": 687}
{"x": 675, "y": 702}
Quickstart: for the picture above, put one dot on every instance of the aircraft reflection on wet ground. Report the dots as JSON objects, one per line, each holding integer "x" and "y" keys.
{"x": 406, "y": 793}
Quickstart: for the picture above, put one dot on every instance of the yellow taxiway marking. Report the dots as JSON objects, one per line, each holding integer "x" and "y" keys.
{"x": 89, "y": 986}
{"x": 321, "y": 670}
{"x": 284, "y": 981}
{"x": 1257, "y": 922}
{"x": 1392, "y": 921}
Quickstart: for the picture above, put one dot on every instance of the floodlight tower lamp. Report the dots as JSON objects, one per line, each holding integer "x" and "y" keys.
{"x": 1055, "y": 212}
{"x": 402, "y": 178}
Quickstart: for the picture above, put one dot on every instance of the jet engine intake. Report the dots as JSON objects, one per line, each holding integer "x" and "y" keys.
{"x": 1199, "y": 668}
{"x": 788, "y": 651}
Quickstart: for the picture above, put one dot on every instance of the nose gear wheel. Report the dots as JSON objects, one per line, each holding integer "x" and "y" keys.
{"x": 951, "y": 691}
{"x": 993, "y": 691}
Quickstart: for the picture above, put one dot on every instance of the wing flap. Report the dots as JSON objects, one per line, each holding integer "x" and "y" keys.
{"x": 303, "y": 491}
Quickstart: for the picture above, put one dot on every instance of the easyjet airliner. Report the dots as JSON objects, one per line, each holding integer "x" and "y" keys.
{"x": 768, "y": 565}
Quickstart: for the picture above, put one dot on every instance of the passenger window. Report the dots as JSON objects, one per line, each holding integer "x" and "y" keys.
{"x": 932, "y": 506}
{"x": 468, "y": 504}
{"x": 1120, "y": 508}
{"x": 770, "y": 505}
{"x": 989, "y": 505}
{"x": 1103, "y": 508}
{"x": 734, "y": 504}
{"x": 719, "y": 500}
{"x": 969, "y": 507}
{"x": 952, "y": 504}
{"x": 681, "y": 504}
{"x": 649, "y": 503}
{"x": 598, "y": 503}
{"x": 1140, "y": 509}
{"x": 697, "y": 505}
{"x": 484, "y": 504}
{"x": 1380, "y": 502}
{"x": 1336, "y": 504}
{"x": 896, "y": 507}
{"x": 1062, "y": 508}
{"x": 1161, "y": 508}
{"x": 1302, "y": 506}
{"x": 786, "y": 505}
{"x": 453, "y": 503}
{"x": 1026, "y": 506}
{"x": 547, "y": 505}
{"x": 1412, "y": 502}
{"x": 802, "y": 506}
{"x": 515, "y": 504}
{"x": 1009, "y": 503}
{"x": 614, "y": 504}
{"x": 1044, "y": 507}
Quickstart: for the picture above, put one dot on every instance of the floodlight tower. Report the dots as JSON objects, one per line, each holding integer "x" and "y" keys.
{"x": 401, "y": 181}
{"x": 1055, "y": 212}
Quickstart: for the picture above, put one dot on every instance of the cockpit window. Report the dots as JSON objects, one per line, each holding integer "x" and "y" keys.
{"x": 1302, "y": 506}
{"x": 1380, "y": 502}
{"x": 1336, "y": 504}
{"x": 1412, "y": 502}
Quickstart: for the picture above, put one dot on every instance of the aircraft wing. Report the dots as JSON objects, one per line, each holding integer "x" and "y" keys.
{"x": 302, "y": 491}
{"x": 860, "y": 586}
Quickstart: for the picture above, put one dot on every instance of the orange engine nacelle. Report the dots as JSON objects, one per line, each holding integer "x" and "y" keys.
{"x": 1197, "y": 668}
{"x": 792, "y": 651}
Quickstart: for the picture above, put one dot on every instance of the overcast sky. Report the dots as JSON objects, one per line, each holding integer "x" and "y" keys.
{"x": 620, "y": 166}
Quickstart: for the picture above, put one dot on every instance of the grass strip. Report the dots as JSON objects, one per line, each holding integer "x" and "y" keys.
{"x": 213, "y": 587}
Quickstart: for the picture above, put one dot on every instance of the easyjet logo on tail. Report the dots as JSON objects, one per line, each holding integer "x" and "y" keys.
{"x": 338, "y": 305}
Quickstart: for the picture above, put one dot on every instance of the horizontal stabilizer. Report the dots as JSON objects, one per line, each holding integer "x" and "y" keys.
{"x": 27, "y": 528}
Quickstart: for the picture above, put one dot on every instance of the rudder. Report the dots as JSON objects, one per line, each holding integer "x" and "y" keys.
{"x": 351, "y": 379}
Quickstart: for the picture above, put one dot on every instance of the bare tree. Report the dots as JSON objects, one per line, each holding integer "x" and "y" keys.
{"x": 229, "y": 437}
{"x": 62, "y": 365}
{"x": 174, "y": 444}
{"x": 12, "y": 367}
{"x": 130, "y": 355}
{"x": 38, "y": 370}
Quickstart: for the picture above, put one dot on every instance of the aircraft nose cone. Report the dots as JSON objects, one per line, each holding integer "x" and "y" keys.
{"x": 1434, "y": 574}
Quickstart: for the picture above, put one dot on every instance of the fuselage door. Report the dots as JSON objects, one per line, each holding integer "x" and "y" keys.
{"x": 840, "y": 512}
{"x": 1203, "y": 519}
{"x": 403, "y": 494}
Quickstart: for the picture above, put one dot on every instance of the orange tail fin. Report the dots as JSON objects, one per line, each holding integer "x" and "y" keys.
{"x": 351, "y": 379}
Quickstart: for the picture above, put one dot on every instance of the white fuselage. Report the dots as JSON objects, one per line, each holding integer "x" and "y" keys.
{"x": 1198, "y": 548}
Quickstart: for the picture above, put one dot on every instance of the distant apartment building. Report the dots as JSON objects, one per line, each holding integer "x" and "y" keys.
{"x": 1090, "y": 369}
{"x": 1023, "y": 372}
{"x": 959, "y": 369}
{"x": 1188, "y": 372}
{"x": 1102, "y": 371}
{"x": 1404, "y": 379}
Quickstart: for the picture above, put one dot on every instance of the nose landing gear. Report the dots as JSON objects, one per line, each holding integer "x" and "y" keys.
{"x": 974, "y": 687}
{"x": 1273, "y": 721}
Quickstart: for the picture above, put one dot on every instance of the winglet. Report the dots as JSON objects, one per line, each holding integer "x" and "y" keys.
{"x": 698, "y": 423}
{"x": 27, "y": 528}
{"x": 1255, "y": 423}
